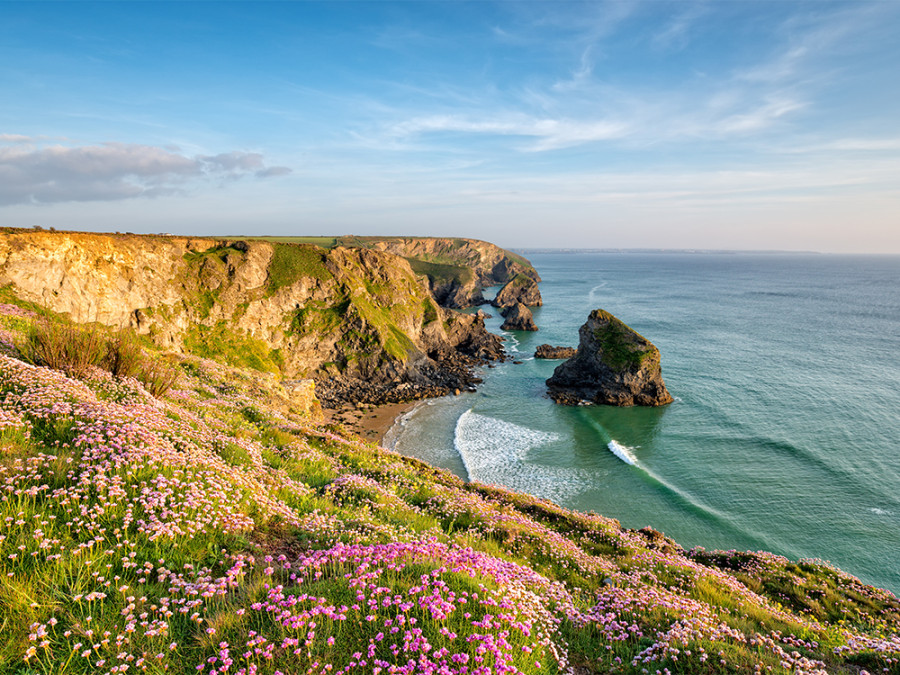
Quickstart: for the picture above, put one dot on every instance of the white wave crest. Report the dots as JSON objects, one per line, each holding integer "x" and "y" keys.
{"x": 623, "y": 452}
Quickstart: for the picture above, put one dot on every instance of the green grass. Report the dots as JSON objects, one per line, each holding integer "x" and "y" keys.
{"x": 236, "y": 349}
{"x": 292, "y": 262}
{"x": 442, "y": 273}
{"x": 621, "y": 347}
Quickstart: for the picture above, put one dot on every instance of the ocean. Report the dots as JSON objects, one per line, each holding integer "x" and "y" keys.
{"x": 785, "y": 431}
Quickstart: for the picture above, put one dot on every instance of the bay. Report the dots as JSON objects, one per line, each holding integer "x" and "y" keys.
{"x": 785, "y": 432}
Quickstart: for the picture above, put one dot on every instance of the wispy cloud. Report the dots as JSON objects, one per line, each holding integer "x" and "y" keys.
{"x": 677, "y": 33}
{"x": 549, "y": 134}
{"x": 33, "y": 173}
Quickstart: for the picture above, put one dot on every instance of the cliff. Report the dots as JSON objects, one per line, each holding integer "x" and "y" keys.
{"x": 457, "y": 268}
{"x": 359, "y": 318}
{"x": 518, "y": 317}
{"x": 613, "y": 365}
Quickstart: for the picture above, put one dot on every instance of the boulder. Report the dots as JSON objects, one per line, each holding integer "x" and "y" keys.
{"x": 518, "y": 317}
{"x": 551, "y": 352}
{"x": 520, "y": 289}
{"x": 613, "y": 365}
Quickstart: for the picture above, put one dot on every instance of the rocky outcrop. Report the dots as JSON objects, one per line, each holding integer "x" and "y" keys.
{"x": 551, "y": 352}
{"x": 518, "y": 317}
{"x": 353, "y": 316}
{"x": 613, "y": 365}
{"x": 457, "y": 291}
{"x": 520, "y": 289}
{"x": 457, "y": 268}
{"x": 490, "y": 264}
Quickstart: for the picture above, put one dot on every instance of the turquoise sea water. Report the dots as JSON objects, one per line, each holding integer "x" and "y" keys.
{"x": 785, "y": 432}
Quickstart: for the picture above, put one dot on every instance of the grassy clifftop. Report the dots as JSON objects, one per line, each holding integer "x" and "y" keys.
{"x": 216, "y": 529}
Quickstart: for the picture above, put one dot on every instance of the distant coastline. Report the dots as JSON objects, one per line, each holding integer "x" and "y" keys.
{"x": 680, "y": 251}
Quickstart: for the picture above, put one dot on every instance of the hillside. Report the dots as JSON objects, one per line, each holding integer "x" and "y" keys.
{"x": 357, "y": 318}
{"x": 216, "y": 528}
{"x": 457, "y": 268}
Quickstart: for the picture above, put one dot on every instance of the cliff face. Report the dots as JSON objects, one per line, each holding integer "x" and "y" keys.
{"x": 345, "y": 314}
{"x": 613, "y": 365}
{"x": 457, "y": 268}
{"x": 520, "y": 289}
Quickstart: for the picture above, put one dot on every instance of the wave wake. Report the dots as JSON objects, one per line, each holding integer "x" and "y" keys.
{"x": 592, "y": 295}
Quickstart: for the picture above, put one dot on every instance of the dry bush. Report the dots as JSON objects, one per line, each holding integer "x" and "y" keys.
{"x": 157, "y": 376}
{"x": 64, "y": 347}
{"x": 124, "y": 356}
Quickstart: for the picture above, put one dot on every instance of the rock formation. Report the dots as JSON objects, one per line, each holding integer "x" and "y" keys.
{"x": 457, "y": 269}
{"x": 551, "y": 352}
{"x": 520, "y": 289}
{"x": 518, "y": 317}
{"x": 358, "y": 320}
{"x": 613, "y": 365}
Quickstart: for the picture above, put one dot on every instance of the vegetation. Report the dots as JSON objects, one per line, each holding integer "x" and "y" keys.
{"x": 231, "y": 347}
{"x": 291, "y": 262}
{"x": 74, "y": 350}
{"x": 620, "y": 346}
{"x": 442, "y": 273}
{"x": 216, "y": 530}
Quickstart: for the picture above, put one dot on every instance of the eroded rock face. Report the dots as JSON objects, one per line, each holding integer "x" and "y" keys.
{"x": 352, "y": 315}
{"x": 490, "y": 264}
{"x": 455, "y": 293}
{"x": 520, "y": 289}
{"x": 551, "y": 352}
{"x": 518, "y": 317}
{"x": 613, "y": 365}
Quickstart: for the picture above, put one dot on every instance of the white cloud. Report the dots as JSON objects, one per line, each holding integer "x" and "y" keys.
{"x": 31, "y": 172}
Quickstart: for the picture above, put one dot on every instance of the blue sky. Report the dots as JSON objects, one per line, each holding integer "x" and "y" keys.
{"x": 716, "y": 124}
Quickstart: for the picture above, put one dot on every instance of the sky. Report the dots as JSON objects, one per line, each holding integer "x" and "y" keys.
{"x": 718, "y": 124}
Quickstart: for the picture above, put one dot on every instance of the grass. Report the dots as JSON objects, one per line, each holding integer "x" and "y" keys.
{"x": 74, "y": 350}
{"x": 66, "y": 347}
{"x": 621, "y": 347}
{"x": 219, "y": 342}
{"x": 291, "y": 262}
{"x": 442, "y": 273}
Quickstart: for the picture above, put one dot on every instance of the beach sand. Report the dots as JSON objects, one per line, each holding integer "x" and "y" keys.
{"x": 369, "y": 422}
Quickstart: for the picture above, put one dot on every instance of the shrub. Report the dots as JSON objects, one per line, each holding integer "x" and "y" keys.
{"x": 157, "y": 376}
{"x": 124, "y": 357}
{"x": 63, "y": 347}
{"x": 73, "y": 350}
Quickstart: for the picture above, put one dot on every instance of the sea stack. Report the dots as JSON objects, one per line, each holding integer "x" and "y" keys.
{"x": 518, "y": 317}
{"x": 520, "y": 289}
{"x": 614, "y": 365}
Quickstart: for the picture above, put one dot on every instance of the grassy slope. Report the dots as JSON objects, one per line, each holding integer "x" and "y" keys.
{"x": 215, "y": 531}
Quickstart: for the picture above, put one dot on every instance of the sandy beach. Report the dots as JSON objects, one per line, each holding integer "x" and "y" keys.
{"x": 368, "y": 421}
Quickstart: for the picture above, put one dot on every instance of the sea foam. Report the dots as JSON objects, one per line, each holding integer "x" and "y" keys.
{"x": 495, "y": 451}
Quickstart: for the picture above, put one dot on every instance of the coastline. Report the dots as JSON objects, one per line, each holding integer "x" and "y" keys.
{"x": 369, "y": 422}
